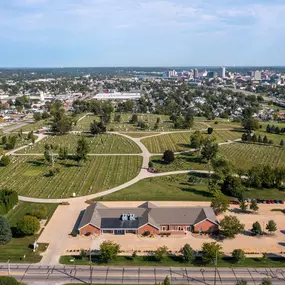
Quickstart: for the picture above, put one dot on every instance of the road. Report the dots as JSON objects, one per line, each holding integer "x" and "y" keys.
{"x": 17, "y": 126}
{"x": 34, "y": 274}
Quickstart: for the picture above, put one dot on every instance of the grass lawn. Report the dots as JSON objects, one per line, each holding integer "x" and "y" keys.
{"x": 180, "y": 141}
{"x": 124, "y": 126}
{"x": 20, "y": 141}
{"x": 27, "y": 175}
{"x": 245, "y": 156}
{"x": 104, "y": 143}
{"x": 18, "y": 247}
{"x": 184, "y": 161}
{"x": 174, "y": 261}
{"x": 167, "y": 188}
{"x": 177, "y": 188}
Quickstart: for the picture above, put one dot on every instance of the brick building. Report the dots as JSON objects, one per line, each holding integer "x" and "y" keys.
{"x": 100, "y": 219}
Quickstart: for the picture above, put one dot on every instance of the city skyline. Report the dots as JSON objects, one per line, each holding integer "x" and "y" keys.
{"x": 69, "y": 33}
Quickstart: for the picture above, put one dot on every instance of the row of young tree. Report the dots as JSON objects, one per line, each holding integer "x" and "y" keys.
{"x": 246, "y": 137}
{"x": 274, "y": 129}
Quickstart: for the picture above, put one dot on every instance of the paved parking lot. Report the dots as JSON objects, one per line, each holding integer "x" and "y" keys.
{"x": 64, "y": 219}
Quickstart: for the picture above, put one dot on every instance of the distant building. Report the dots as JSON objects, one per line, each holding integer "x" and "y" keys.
{"x": 212, "y": 74}
{"x": 222, "y": 72}
{"x": 196, "y": 73}
{"x": 257, "y": 75}
{"x": 117, "y": 96}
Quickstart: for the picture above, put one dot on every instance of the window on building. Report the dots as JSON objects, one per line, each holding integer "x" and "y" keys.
{"x": 188, "y": 228}
{"x": 164, "y": 228}
{"x": 180, "y": 228}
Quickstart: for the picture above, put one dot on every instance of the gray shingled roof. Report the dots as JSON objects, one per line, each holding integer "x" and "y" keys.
{"x": 110, "y": 218}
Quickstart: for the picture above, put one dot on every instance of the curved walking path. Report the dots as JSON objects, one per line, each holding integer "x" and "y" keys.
{"x": 143, "y": 174}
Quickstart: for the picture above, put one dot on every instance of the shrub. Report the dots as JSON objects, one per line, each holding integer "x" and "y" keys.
{"x": 109, "y": 250}
{"x": 210, "y": 251}
{"x": 238, "y": 255}
{"x": 210, "y": 130}
{"x": 161, "y": 253}
{"x": 146, "y": 233}
{"x": 28, "y": 226}
{"x": 5, "y": 160}
{"x": 40, "y": 212}
{"x": 187, "y": 253}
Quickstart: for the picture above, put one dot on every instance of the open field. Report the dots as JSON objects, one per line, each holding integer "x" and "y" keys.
{"x": 18, "y": 247}
{"x": 104, "y": 143}
{"x": 177, "y": 188}
{"x": 180, "y": 141}
{"x": 27, "y": 175}
{"x": 184, "y": 161}
{"x": 124, "y": 126}
{"x": 245, "y": 156}
{"x": 168, "y": 188}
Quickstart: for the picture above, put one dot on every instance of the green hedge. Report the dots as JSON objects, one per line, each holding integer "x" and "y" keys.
{"x": 8, "y": 199}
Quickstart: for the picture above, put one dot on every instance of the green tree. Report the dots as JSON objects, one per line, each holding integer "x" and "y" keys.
{"x": 254, "y": 206}
{"x": 256, "y": 228}
{"x": 150, "y": 164}
{"x": 266, "y": 281}
{"x": 209, "y": 149}
{"x": 7, "y": 280}
{"x": 231, "y": 226}
{"x": 161, "y": 253}
{"x": 282, "y": 143}
{"x": 117, "y": 118}
{"x": 265, "y": 140}
{"x": 210, "y": 251}
{"x": 63, "y": 153}
{"x": 5, "y": 160}
{"x": 196, "y": 140}
{"x": 134, "y": 119}
{"x": 61, "y": 123}
{"x": 4, "y": 140}
{"x": 232, "y": 186}
{"x": 109, "y": 250}
{"x": 168, "y": 156}
{"x": 187, "y": 253}
{"x": 259, "y": 139}
{"x": 220, "y": 202}
{"x": 29, "y": 225}
{"x": 5, "y": 231}
{"x": 82, "y": 149}
{"x": 166, "y": 281}
{"x": 271, "y": 226}
{"x": 238, "y": 255}
{"x": 37, "y": 116}
{"x": 243, "y": 206}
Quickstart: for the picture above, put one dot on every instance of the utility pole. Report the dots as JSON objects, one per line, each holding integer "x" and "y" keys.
{"x": 9, "y": 270}
{"x": 90, "y": 262}
{"x": 216, "y": 263}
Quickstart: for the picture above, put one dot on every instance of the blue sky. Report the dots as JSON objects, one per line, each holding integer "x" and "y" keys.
{"x": 55, "y": 33}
